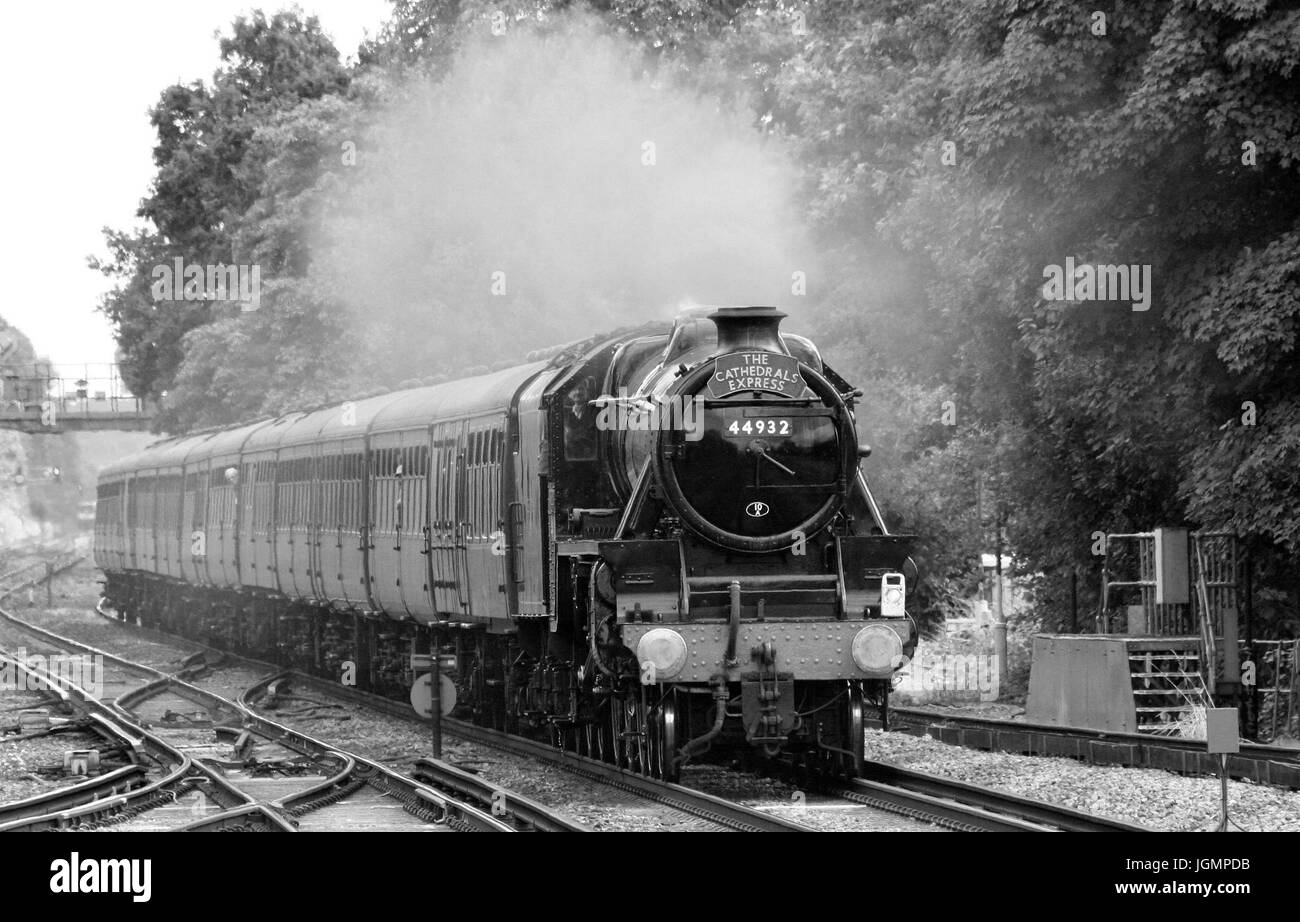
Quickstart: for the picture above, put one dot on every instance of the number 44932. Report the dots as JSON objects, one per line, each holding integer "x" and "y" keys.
{"x": 759, "y": 427}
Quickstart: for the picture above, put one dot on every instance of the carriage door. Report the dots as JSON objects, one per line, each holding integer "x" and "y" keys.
{"x": 337, "y": 521}
{"x": 386, "y": 512}
{"x": 145, "y": 525}
{"x": 354, "y": 541}
{"x": 413, "y": 533}
{"x": 527, "y": 513}
{"x": 193, "y": 539}
{"x": 399, "y": 466}
{"x": 257, "y": 522}
{"x": 444, "y": 515}
{"x": 223, "y": 501}
{"x": 131, "y": 540}
{"x": 295, "y": 557}
{"x": 317, "y": 492}
{"x": 485, "y": 538}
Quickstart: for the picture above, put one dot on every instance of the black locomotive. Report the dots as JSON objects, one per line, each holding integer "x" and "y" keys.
{"x": 650, "y": 545}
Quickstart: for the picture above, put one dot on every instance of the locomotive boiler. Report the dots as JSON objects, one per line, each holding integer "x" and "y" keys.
{"x": 653, "y": 546}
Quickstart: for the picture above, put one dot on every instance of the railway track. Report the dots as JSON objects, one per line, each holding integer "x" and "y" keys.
{"x": 524, "y": 812}
{"x": 1271, "y": 765}
{"x": 306, "y": 779}
{"x": 716, "y": 810}
{"x": 325, "y": 780}
{"x": 97, "y": 803}
{"x": 966, "y": 807}
{"x": 111, "y": 784}
{"x": 928, "y": 799}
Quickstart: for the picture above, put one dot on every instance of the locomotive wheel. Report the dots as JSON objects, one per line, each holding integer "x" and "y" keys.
{"x": 628, "y": 731}
{"x": 617, "y": 741}
{"x": 600, "y": 751}
{"x": 663, "y": 739}
{"x": 855, "y": 737}
{"x": 644, "y": 730}
{"x": 636, "y": 729}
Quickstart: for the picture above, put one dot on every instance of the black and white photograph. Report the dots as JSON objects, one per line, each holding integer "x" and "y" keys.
{"x": 853, "y": 416}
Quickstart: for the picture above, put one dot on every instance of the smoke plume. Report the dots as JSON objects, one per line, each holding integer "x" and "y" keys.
{"x": 551, "y": 185}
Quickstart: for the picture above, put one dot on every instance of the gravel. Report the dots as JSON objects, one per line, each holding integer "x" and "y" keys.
{"x": 27, "y": 764}
{"x": 1148, "y": 797}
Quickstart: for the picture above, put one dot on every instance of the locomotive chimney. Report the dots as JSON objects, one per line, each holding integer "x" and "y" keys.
{"x": 745, "y": 328}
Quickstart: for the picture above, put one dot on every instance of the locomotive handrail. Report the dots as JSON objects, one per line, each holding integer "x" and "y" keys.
{"x": 871, "y": 502}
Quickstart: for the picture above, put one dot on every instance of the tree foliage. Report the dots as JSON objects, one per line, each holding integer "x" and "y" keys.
{"x": 204, "y": 202}
{"x": 949, "y": 152}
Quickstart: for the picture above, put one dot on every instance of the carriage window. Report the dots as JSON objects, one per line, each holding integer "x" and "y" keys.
{"x": 328, "y": 507}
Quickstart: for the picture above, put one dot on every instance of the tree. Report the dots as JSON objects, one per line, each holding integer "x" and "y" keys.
{"x": 1165, "y": 135}
{"x": 208, "y": 177}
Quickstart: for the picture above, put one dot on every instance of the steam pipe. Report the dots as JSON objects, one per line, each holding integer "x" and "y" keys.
{"x": 701, "y": 743}
{"x": 733, "y": 626}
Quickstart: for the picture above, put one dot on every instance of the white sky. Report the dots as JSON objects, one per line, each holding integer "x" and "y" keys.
{"x": 77, "y": 80}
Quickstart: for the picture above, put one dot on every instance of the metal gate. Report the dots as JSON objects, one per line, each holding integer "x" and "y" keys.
{"x": 1211, "y": 615}
{"x": 1277, "y": 670}
{"x": 1130, "y": 565}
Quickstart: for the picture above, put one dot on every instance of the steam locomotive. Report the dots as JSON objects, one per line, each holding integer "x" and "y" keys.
{"x": 653, "y": 546}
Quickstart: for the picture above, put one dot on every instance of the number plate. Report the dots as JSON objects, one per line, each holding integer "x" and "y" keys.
{"x": 753, "y": 428}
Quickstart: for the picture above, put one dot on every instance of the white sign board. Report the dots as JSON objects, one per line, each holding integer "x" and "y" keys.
{"x": 422, "y": 699}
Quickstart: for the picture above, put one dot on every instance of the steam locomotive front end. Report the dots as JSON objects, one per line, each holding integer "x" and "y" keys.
{"x": 752, "y": 578}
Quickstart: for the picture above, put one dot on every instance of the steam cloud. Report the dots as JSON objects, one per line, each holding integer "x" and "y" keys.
{"x": 528, "y": 159}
